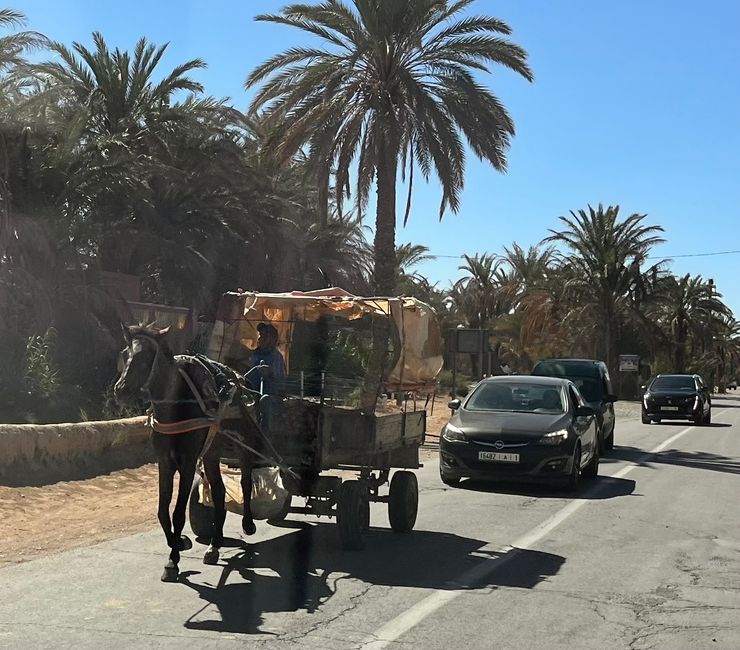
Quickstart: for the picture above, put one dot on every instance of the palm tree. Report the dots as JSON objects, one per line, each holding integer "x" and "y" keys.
{"x": 477, "y": 294}
{"x": 529, "y": 269}
{"x": 690, "y": 311}
{"x": 604, "y": 257}
{"x": 391, "y": 89}
{"x": 112, "y": 93}
{"x": 155, "y": 185}
{"x": 13, "y": 48}
{"x": 727, "y": 351}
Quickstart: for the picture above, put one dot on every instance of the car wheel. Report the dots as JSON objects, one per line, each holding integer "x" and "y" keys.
{"x": 699, "y": 419}
{"x": 574, "y": 479}
{"x": 708, "y": 418}
{"x": 452, "y": 481}
{"x": 609, "y": 442}
{"x": 645, "y": 418}
{"x": 591, "y": 471}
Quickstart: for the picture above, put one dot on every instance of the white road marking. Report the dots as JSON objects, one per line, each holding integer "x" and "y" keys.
{"x": 409, "y": 619}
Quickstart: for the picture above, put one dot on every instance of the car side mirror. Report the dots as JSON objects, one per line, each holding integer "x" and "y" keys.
{"x": 644, "y": 387}
{"x": 611, "y": 398}
{"x": 584, "y": 412}
{"x": 454, "y": 404}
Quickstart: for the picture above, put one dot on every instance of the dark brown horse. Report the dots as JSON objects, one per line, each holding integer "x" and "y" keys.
{"x": 179, "y": 389}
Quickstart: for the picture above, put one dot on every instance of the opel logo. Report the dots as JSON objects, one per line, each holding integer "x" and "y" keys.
{"x": 499, "y": 444}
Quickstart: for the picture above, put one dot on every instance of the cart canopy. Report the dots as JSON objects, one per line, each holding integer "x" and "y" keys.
{"x": 418, "y": 336}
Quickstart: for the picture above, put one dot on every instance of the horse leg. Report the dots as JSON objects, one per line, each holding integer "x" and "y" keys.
{"x": 246, "y": 480}
{"x": 166, "y": 478}
{"x": 187, "y": 474}
{"x": 218, "y": 494}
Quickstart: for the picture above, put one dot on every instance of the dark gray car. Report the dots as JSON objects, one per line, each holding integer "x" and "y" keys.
{"x": 521, "y": 427}
{"x": 591, "y": 377}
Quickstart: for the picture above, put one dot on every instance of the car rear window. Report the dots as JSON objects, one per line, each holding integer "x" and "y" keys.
{"x": 567, "y": 369}
{"x": 586, "y": 376}
{"x": 673, "y": 383}
{"x": 517, "y": 397}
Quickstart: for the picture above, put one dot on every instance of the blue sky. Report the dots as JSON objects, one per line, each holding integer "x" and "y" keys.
{"x": 635, "y": 102}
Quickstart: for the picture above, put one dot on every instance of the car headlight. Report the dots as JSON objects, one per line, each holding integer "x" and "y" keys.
{"x": 696, "y": 402}
{"x": 451, "y": 433}
{"x": 554, "y": 438}
{"x": 648, "y": 397}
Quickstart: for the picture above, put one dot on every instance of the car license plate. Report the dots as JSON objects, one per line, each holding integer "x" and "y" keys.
{"x": 498, "y": 457}
{"x": 669, "y": 408}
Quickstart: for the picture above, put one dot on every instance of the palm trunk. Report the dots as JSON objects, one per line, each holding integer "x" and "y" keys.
{"x": 384, "y": 274}
{"x": 608, "y": 335}
{"x": 385, "y": 225}
{"x": 679, "y": 363}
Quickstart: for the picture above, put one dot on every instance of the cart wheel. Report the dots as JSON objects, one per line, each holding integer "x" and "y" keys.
{"x": 281, "y": 514}
{"x": 353, "y": 514}
{"x": 201, "y": 517}
{"x": 403, "y": 501}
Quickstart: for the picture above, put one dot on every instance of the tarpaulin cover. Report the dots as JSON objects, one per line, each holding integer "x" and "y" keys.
{"x": 420, "y": 355}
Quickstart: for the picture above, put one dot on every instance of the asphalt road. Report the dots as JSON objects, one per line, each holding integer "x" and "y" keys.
{"x": 648, "y": 556}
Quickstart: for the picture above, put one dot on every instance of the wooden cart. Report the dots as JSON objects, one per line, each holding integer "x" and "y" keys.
{"x": 340, "y": 457}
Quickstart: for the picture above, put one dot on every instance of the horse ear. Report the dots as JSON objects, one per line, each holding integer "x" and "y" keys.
{"x": 164, "y": 330}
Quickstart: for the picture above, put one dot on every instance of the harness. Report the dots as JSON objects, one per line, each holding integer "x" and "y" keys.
{"x": 226, "y": 387}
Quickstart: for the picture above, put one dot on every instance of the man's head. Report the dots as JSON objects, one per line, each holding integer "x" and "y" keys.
{"x": 267, "y": 336}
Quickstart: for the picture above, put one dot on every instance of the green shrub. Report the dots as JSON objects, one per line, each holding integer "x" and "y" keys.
{"x": 41, "y": 376}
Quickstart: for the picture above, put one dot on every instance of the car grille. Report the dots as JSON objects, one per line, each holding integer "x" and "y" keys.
{"x": 502, "y": 443}
{"x": 673, "y": 401}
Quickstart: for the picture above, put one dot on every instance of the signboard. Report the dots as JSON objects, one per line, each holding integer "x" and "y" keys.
{"x": 472, "y": 341}
{"x": 629, "y": 363}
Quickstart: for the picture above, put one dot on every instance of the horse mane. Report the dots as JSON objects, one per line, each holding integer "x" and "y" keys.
{"x": 153, "y": 333}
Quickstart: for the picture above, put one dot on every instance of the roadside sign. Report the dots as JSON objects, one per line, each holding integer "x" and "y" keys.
{"x": 465, "y": 340}
{"x": 629, "y": 363}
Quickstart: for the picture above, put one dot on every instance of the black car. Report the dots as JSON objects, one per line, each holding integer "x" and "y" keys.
{"x": 520, "y": 427}
{"x": 677, "y": 397}
{"x": 591, "y": 377}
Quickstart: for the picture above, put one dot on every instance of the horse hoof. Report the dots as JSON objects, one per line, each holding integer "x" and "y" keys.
{"x": 171, "y": 574}
{"x": 185, "y": 543}
{"x": 211, "y": 556}
{"x": 249, "y": 528}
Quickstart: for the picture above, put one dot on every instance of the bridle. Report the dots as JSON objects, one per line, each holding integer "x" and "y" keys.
{"x": 144, "y": 388}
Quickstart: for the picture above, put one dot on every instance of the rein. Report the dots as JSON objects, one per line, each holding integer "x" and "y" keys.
{"x": 211, "y": 421}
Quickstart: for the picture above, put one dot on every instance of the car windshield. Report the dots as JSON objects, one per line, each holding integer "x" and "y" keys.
{"x": 517, "y": 397}
{"x": 673, "y": 383}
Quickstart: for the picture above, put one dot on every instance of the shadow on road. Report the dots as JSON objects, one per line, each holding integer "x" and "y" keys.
{"x": 301, "y": 571}
{"x": 605, "y": 487}
{"x": 687, "y": 423}
{"x": 695, "y": 459}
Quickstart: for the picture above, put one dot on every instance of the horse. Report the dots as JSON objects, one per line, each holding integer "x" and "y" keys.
{"x": 182, "y": 395}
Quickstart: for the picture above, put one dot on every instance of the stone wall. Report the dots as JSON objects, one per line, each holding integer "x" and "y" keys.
{"x": 38, "y": 454}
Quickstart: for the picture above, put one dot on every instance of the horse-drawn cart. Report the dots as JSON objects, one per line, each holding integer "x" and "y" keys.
{"x": 333, "y": 432}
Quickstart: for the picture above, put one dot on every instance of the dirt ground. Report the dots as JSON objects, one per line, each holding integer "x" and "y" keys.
{"x": 39, "y": 521}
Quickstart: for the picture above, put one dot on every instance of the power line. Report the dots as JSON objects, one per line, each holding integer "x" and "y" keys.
{"x": 649, "y": 257}
{"x": 671, "y": 257}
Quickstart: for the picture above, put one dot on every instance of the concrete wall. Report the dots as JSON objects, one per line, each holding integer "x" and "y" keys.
{"x": 37, "y": 454}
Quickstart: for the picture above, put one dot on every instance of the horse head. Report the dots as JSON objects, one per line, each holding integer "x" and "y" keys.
{"x": 141, "y": 363}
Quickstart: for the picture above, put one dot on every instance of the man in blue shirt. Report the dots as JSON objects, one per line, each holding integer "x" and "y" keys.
{"x": 269, "y": 362}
